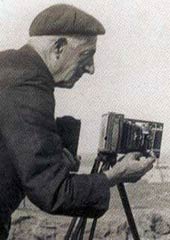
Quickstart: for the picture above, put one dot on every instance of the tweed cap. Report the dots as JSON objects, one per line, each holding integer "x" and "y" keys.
{"x": 65, "y": 19}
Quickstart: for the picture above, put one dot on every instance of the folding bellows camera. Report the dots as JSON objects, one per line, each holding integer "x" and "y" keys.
{"x": 122, "y": 135}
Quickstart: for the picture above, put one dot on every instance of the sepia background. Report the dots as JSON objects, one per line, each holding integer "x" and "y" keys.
{"x": 132, "y": 62}
{"x": 132, "y": 77}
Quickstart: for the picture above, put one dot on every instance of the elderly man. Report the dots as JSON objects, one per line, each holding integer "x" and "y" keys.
{"x": 33, "y": 162}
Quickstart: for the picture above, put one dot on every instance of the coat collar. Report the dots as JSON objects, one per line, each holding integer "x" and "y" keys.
{"x": 37, "y": 61}
{"x": 24, "y": 67}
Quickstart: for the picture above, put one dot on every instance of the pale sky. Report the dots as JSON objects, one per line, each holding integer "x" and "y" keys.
{"x": 132, "y": 62}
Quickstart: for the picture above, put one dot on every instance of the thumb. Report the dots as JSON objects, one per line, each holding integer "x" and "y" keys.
{"x": 151, "y": 160}
{"x": 147, "y": 163}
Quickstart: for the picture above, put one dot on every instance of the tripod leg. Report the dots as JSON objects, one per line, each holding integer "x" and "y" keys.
{"x": 77, "y": 231}
{"x": 83, "y": 229}
{"x": 127, "y": 208}
{"x": 105, "y": 166}
{"x": 81, "y": 222}
{"x": 71, "y": 227}
{"x": 93, "y": 227}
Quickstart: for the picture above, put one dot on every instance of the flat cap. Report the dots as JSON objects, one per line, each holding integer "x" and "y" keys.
{"x": 65, "y": 19}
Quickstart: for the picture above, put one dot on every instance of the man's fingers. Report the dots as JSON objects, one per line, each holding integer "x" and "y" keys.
{"x": 135, "y": 179}
{"x": 146, "y": 164}
{"x": 152, "y": 154}
{"x": 120, "y": 158}
{"x": 151, "y": 159}
{"x": 137, "y": 155}
{"x": 148, "y": 168}
{"x": 133, "y": 155}
{"x": 143, "y": 171}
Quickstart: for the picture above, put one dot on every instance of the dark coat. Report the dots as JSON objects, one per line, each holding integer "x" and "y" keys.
{"x": 32, "y": 161}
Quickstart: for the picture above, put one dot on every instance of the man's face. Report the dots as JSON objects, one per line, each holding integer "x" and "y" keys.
{"x": 72, "y": 60}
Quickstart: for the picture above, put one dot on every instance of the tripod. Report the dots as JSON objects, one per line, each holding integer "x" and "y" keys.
{"x": 77, "y": 227}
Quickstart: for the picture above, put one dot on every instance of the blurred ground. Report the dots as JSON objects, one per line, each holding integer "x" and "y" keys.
{"x": 150, "y": 203}
{"x": 149, "y": 199}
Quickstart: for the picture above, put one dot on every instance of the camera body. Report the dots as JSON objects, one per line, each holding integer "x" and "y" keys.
{"x": 68, "y": 128}
{"x": 122, "y": 135}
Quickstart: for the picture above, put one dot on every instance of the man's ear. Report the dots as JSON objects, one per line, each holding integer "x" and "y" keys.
{"x": 59, "y": 46}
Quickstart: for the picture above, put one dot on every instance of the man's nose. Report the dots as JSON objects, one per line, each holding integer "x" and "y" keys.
{"x": 90, "y": 68}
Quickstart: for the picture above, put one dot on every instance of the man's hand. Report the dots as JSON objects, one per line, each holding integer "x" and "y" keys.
{"x": 130, "y": 169}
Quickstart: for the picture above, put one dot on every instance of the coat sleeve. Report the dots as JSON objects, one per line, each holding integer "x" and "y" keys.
{"x": 37, "y": 154}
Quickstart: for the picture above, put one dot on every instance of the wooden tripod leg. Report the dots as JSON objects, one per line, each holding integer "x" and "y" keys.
{"x": 73, "y": 231}
{"x": 71, "y": 227}
{"x": 127, "y": 209}
{"x": 80, "y": 226}
{"x": 93, "y": 229}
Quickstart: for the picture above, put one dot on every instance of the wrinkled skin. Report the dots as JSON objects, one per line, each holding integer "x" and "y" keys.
{"x": 130, "y": 169}
{"x": 76, "y": 58}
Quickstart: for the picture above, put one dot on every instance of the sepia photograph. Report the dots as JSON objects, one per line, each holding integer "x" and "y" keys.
{"x": 84, "y": 120}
